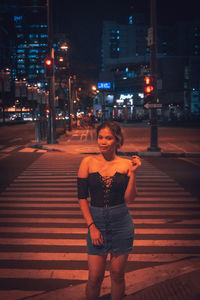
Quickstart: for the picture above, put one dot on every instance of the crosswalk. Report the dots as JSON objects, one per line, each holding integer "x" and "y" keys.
{"x": 5, "y": 150}
{"x": 43, "y": 233}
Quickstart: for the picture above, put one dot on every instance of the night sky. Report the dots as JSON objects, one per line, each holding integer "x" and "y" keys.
{"x": 82, "y": 20}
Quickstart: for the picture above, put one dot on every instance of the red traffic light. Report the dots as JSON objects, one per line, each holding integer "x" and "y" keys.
{"x": 49, "y": 66}
{"x": 48, "y": 62}
{"x": 147, "y": 80}
{"x": 148, "y": 88}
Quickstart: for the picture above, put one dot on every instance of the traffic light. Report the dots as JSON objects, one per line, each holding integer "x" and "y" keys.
{"x": 49, "y": 65}
{"x": 148, "y": 88}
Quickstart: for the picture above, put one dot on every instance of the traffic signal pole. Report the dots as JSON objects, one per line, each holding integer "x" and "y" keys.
{"x": 153, "y": 71}
{"x": 51, "y": 135}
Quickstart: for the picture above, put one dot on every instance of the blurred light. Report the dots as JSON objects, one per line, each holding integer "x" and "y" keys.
{"x": 64, "y": 46}
{"x": 48, "y": 62}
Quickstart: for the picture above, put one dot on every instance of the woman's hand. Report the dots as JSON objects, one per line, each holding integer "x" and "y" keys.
{"x": 96, "y": 236}
{"x": 135, "y": 163}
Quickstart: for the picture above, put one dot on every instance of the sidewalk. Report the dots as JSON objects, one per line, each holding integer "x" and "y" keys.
{"x": 65, "y": 143}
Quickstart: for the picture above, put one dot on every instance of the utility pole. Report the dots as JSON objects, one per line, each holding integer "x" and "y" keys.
{"x": 153, "y": 72}
{"x": 70, "y": 103}
{"x": 51, "y": 135}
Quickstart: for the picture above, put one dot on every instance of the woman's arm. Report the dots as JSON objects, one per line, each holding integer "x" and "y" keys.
{"x": 83, "y": 174}
{"x": 131, "y": 190}
{"x": 95, "y": 234}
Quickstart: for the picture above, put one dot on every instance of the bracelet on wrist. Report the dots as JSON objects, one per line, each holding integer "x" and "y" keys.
{"x": 90, "y": 225}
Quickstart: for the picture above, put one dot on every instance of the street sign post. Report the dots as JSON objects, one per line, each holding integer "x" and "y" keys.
{"x": 153, "y": 105}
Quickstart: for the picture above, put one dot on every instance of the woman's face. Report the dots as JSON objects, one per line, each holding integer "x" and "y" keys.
{"x": 106, "y": 140}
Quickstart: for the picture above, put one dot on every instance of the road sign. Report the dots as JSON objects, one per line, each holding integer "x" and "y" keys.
{"x": 150, "y": 37}
{"x": 153, "y": 105}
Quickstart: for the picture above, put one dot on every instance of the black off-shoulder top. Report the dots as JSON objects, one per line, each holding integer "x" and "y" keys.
{"x": 105, "y": 191}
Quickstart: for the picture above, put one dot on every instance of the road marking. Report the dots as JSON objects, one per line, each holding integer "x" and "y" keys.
{"x": 190, "y": 161}
{"x": 15, "y": 140}
{"x": 9, "y": 149}
{"x": 40, "y": 217}
{"x": 27, "y": 150}
{"x": 176, "y": 147}
{"x": 2, "y": 156}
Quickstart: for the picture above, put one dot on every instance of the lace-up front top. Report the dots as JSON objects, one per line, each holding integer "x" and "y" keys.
{"x": 105, "y": 191}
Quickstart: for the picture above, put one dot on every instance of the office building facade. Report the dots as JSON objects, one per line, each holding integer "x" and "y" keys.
{"x": 126, "y": 59}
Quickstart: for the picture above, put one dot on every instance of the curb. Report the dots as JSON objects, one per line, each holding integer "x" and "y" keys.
{"x": 38, "y": 146}
{"x": 130, "y": 153}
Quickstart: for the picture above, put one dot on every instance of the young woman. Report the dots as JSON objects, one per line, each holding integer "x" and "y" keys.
{"x": 110, "y": 181}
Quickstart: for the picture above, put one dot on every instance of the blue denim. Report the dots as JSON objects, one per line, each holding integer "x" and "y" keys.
{"x": 116, "y": 225}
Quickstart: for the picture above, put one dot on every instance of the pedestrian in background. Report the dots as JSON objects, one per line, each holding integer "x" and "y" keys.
{"x": 110, "y": 181}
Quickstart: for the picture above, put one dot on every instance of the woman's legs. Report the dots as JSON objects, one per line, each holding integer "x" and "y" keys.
{"x": 117, "y": 270}
{"x": 96, "y": 265}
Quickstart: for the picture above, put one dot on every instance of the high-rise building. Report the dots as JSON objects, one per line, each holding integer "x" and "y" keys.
{"x": 30, "y": 21}
{"x": 126, "y": 57}
{"x": 123, "y": 44}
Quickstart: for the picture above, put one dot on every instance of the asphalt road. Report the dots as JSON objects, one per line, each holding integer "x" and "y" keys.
{"x": 185, "y": 171}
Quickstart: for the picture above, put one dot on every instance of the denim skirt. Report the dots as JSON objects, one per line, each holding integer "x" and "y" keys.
{"x": 116, "y": 225}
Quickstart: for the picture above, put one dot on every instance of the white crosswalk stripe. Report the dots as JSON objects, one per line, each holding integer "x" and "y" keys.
{"x": 20, "y": 149}
{"x": 43, "y": 233}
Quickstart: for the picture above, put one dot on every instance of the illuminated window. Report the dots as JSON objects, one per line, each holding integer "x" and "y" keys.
{"x": 33, "y": 51}
{"x": 17, "y": 19}
{"x": 43, "y": 35}
{"x": 33, "y": 36}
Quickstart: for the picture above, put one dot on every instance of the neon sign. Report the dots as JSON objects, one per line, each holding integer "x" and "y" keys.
{"x": 104, "y": 85}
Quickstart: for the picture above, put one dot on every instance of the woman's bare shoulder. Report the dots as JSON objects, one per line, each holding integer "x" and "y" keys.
{"x": 125, "y": 161}
{"x": 86, "y": 164}
{"x": 86, "y": 159}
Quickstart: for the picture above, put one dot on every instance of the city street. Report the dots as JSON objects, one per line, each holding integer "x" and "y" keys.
{"x": 65, "y": 68}
{"x": 42, "y": 239}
